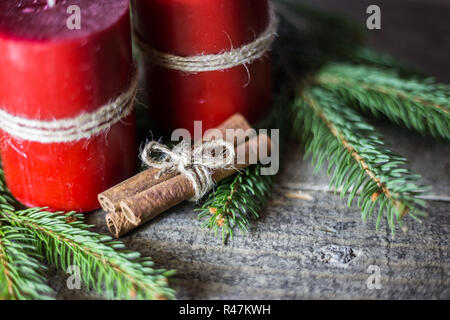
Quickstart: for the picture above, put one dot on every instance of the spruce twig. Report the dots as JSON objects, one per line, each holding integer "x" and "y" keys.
{"x": 64, "y": 239}
{"x": 421, "y": 105}
{"x": 238, "y": 200}
{"x": 331, "y": 131}
{"x": 20, "y": 271}
{"x": 235, "y": 201}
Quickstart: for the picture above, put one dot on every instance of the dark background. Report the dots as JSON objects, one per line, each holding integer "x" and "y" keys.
{"x": 416, "y": 32}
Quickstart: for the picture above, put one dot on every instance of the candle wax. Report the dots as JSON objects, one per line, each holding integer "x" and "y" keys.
{"x": 195, "y": 27}
{"x": 47, "y": 72}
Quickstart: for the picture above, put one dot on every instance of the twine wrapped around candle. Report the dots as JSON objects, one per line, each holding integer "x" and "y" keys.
{"x": 197, "y": 165}
{"x": 80, "y": 127}
{"x": 215, "y": 62}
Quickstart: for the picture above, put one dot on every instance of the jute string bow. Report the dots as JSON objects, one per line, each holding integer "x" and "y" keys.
{"x": 196, "y": 164}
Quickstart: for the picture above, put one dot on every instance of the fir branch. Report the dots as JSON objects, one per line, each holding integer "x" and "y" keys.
{"x": 64, "y": 240}
{"x": 334, "y": 132}
{"x": 20, "y": 271}
{"x": 417, "y": 104}
{"x": 235, "y": 201}
{"x": 239, "y": 199}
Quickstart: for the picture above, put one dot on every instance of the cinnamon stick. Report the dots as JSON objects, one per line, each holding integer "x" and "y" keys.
{"x": 110, "y": 199}
{"x": 118, "y": 225}
{"x": 149, "y": 203}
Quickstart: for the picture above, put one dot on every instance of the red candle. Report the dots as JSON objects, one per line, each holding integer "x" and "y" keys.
{"x": 203, "y": 27}
{"x": 50, "y": 72}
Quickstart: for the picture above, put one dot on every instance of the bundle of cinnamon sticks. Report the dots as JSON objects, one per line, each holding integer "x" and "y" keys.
{"x": 147, "y": 194}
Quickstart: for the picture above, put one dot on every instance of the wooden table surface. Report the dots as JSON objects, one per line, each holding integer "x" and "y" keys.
{"x": 308, "y": 243}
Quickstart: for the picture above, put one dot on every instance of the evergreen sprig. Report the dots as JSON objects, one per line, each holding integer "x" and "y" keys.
{"x": 64, "y": 239}
{"x": 332, "y": 131}
{"x": 419, "y": 104}
{"x": 20, "y": 268}
{"x": 235, "y": 201}
{"x": 238, "y": 200}
{"x": 20, "y": 271}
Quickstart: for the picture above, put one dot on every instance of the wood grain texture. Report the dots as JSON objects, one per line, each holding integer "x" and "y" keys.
{"x": 310, "y": 247}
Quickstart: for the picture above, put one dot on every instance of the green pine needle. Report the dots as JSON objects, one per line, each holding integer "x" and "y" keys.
{"x": 235, "y": 201}
{"x": 20, "y": 271}
{"x": 421, "y": 105}
{"x": 334, "y": 132}
{"x": 64, "y": 240}
{"x": 240, "y": 199}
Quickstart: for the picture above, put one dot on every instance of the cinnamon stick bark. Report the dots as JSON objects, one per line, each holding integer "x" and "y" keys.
{"x": 110, "y": 199}
{"x": 117, "y": 224}
{"x": 147, "y": 204}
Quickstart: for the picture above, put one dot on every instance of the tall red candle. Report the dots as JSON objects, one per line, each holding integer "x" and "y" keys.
{"x": 50, "y": 72}
{"x": 203, "y": 27}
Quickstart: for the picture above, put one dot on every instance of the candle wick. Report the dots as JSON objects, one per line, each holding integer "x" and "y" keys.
{"x": 51, "y": 3}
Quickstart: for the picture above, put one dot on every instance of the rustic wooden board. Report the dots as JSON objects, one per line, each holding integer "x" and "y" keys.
{"x": 307, "y": 244}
